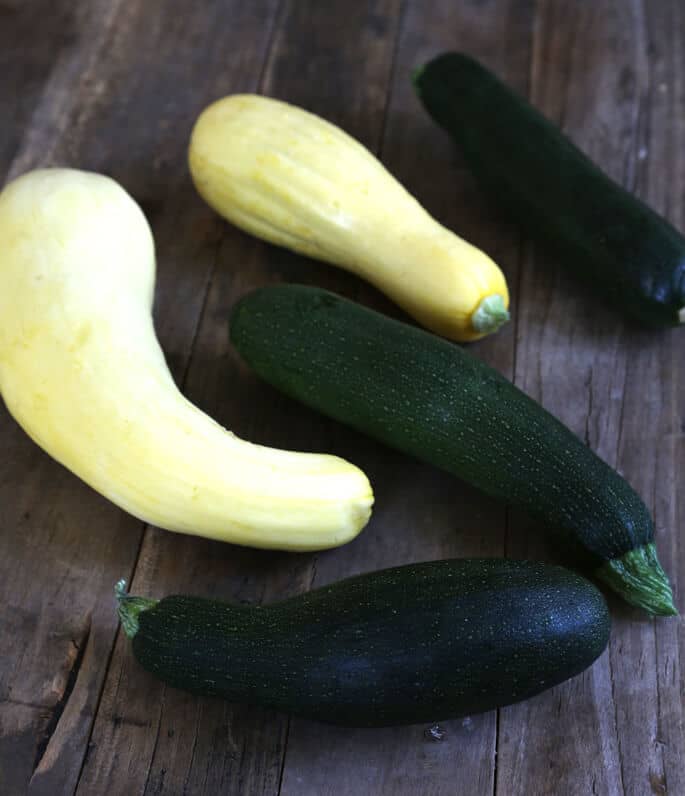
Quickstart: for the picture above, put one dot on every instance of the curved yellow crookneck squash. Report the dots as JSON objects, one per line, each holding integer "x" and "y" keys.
{"x": 82, "y": 372}
{"x": 295, "y": 180}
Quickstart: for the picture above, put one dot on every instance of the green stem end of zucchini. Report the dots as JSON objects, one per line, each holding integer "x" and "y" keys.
{"x": 416, "y": 77}
{"x": 130, "y": 607}
{"x": 638, "y": 577}
{"x": 490, "y": 314}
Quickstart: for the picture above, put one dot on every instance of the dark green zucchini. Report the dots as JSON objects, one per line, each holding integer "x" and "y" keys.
{"x": 598, "y": 229}
{"x": 411, "y": 644}
{"x": 430, "y": 398}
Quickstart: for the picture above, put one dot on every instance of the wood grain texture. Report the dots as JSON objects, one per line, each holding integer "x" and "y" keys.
{"x": 115, "y": 86}
{"x": 59, "y": 542}
{"x": 348, "y": 84}
{"x": 29, "y": 52}
{"x": 63, "y": 547}
{"x": 612, "y": 385}
{"x": 662, "y": 184}
{"x": 421, "y": 513}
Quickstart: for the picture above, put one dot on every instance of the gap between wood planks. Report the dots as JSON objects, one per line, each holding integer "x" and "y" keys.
{"x": 52, "y": 730}
{"x": 399, "y": 29}
{"x": 56, "y": 101}
{"x": 277, "y": 21}
{"x": 80, "y": 645}
{"x": 523, "y": 254}
{"x": 98, "y": 34}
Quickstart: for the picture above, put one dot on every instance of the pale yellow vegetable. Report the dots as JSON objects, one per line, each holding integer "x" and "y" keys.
{"x": 292, "y": 178}
{"x": 82, "y": 372}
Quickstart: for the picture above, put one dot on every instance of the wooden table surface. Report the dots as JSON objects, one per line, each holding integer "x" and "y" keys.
{"x": 114, "y": 86}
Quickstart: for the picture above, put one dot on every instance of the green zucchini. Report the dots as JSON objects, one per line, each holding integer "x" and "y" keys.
{"x": 430, "y": 398}
{"x": 598, "y": 229}
{"x": 411, "y": 644}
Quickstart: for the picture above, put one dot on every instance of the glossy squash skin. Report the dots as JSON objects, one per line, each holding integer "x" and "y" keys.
{"x": 82, "y": 372}
{"x": 294, "y": 179}
{"x": 597, "y": 230}
{"x": 418, "y": 643}
{"x": 436, "y": 401}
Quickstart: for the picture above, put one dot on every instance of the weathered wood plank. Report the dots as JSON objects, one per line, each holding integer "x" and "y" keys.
{"x": 121, "y": 100}
{"x": 115, "y": 86}
{"x": 611, "y": 384}
{"x": 49, "y": 559}
{"x": 147, "y": 736}
{"x": 661, "y": 183}
{"x": 420, "y": 513}
{"x": 34, "y": 38}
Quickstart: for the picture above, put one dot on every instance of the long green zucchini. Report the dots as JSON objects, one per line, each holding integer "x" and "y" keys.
{"x": 411, "y": 644}
{"x": 598, "y": 229}
{"x": 430, "y": 398}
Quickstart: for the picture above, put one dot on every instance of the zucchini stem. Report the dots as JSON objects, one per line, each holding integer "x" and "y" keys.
{"x": 130, "y": 607}
{"x": 638, "y": 577}
{"x": 490, "y": 314}
{"x": 416, "y": 76}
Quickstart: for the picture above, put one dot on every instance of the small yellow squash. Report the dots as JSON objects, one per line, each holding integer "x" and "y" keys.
{"x": 82, "y": 372}
{"x": 292, "y": 178}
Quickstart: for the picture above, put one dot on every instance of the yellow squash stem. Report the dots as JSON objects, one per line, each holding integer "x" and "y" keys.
{"x": 82, "y": 372}
{"x": 291, "y": 178}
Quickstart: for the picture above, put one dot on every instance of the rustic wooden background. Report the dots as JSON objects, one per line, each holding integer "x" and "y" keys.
{"x": 114, "y": 86}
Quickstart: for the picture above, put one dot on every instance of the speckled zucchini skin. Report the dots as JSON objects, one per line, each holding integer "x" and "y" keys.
{"x": 411, "y": 644}
{"x": 597, "y": 229}
{"x": 430, "y": 398}
{"x": 439, "y": 403}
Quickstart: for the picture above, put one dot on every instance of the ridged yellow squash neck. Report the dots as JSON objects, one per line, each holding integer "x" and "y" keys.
{"x": 82, "y": 372}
